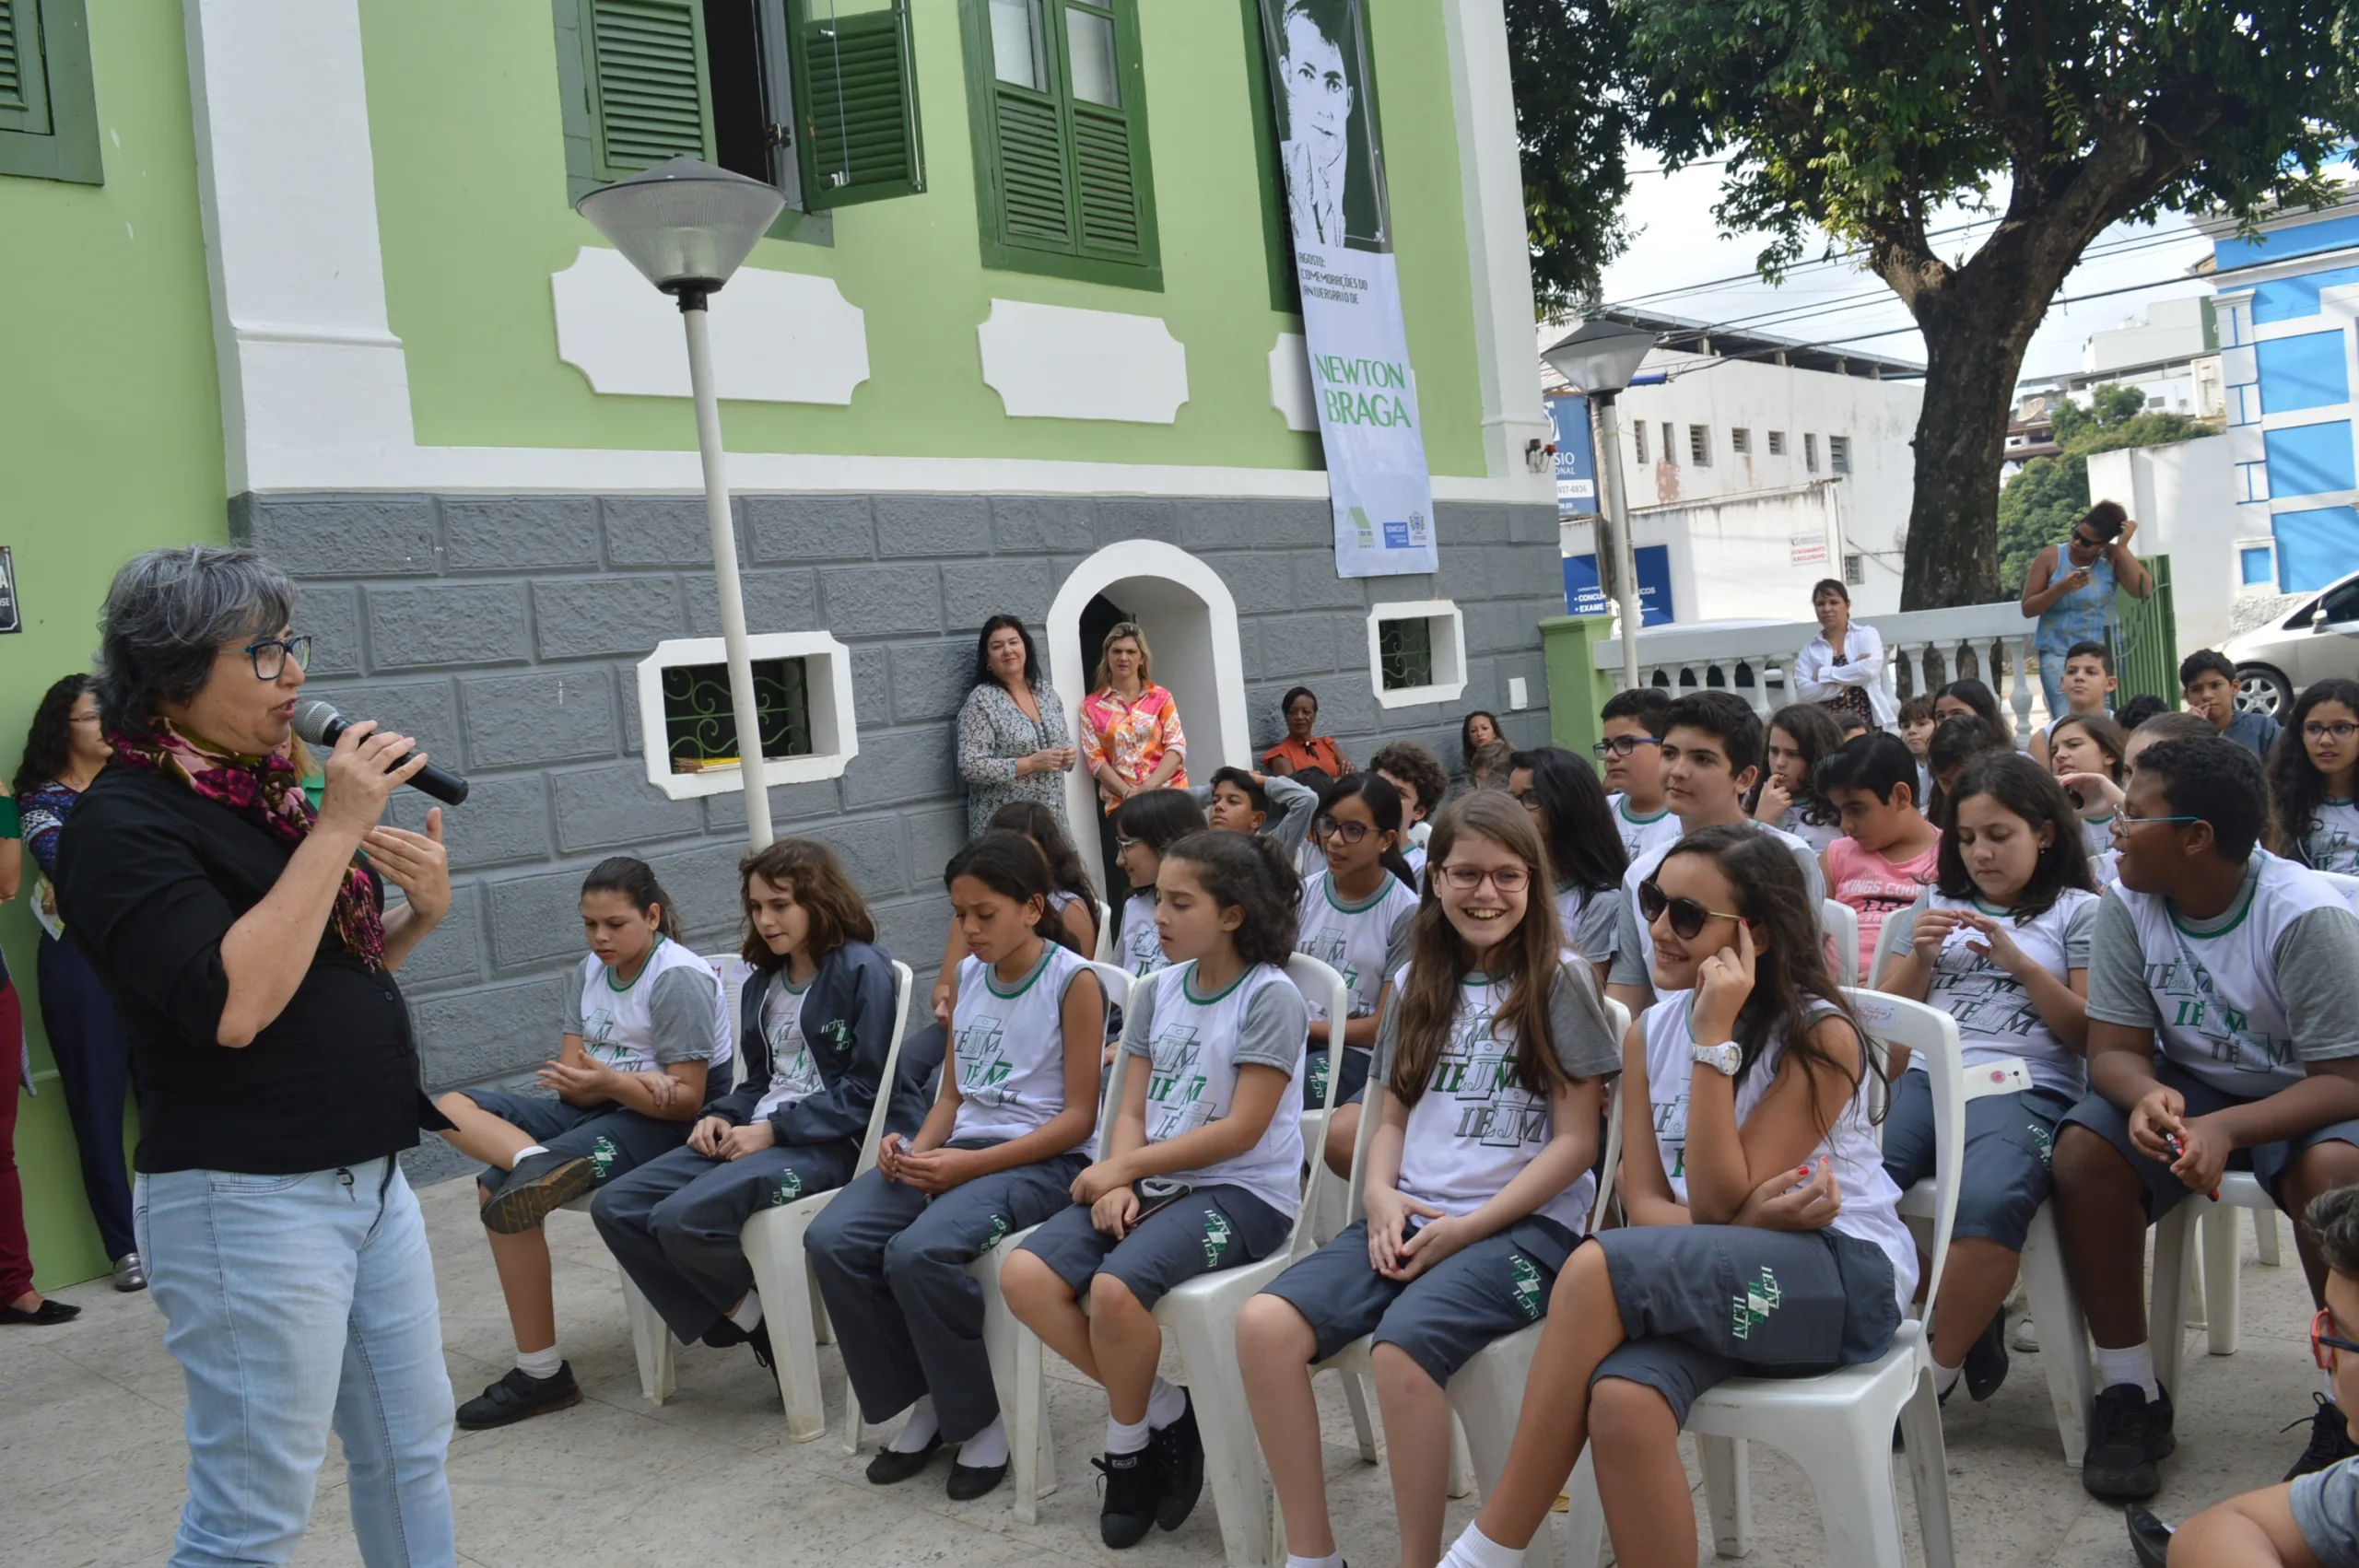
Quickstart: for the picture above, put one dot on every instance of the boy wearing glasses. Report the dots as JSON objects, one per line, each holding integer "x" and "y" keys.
{"x": 1634, "y": 723}
{"x": 2246, "y": 969}
{"x": 2208, "y": 682}
{"x": 1711, "y": 752}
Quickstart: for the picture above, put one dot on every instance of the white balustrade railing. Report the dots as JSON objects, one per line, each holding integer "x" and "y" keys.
{"x": 1924, "y": 649}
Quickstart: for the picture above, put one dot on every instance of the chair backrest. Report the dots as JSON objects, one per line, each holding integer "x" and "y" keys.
{"x": 1105, "y": 932}
{"x": 903, "y": 982}
{"x": 1117, "y": 981}
{"x": 732, "y": 970}
{"x": 1838, "y": 924}
{"x": 1930, "y": 1035}
{"x": 2346, "y": 885}
{"x": 1319, "y": 983}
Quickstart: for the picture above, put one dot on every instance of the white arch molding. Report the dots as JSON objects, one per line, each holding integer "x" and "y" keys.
{"x": 1191, "y": 622}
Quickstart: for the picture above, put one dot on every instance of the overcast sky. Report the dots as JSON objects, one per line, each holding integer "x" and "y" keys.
{"x": 1678, "y": 245}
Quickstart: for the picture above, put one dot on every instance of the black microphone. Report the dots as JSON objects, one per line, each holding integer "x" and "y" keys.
{"x": 320, "y": 725}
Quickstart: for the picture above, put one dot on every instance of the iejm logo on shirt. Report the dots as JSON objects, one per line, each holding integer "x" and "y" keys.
{"x": 983, "y": 1067}
{"x": 1477, "y": 1070}
{"x": 2191, "y": 1002}
{"x": 1174, "y": 1089}
{"x": 1982, "y": 997}
{"x": 1329, "y": 944}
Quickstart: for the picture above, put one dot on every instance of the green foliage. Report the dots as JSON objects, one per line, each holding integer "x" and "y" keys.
{"x": 2047, "y": 495}
{"x": 1569, "y": 61}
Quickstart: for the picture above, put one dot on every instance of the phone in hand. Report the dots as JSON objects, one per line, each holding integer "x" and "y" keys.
{"x": 1157, "y": 1192}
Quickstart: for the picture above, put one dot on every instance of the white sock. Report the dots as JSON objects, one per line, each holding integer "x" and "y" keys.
{"x": 2133, "y": 1365}
{"x": 747, "y": 1313}
{"x": 1945, "y": 1378}
{"x": 987, "y": 1447}
{"x": 1125, "y": 1438}
{"x": 539, "y": 1363}
{"x": 521, "y": 1154}
{"x": 920, "y": 1429}
{"x": 1333, "y": 1560}
{"x": 2325, "y": 1382}
{"x": 1472, "y": 1548}
{"x": 1166, "y": 1403}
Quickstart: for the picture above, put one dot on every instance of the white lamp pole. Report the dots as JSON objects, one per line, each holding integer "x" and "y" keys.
{"x": 1598, "y": 358}
{"x": 687, "y": 226}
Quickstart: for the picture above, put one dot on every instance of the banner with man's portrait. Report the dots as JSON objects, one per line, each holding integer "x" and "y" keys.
{"x": 1341, "y": 220}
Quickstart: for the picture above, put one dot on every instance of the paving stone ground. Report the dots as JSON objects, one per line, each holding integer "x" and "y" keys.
{"x": 91, "y": 1454}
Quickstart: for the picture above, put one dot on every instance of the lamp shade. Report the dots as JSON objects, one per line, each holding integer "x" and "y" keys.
{"x": 684, "y": 223}
{"x": 1599, "y": 357}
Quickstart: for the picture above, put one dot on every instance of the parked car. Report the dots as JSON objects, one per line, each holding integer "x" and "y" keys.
{"x": 2320, "y": 637}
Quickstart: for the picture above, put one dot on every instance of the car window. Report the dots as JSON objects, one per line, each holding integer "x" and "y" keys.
{"x": 2342, "y": 604}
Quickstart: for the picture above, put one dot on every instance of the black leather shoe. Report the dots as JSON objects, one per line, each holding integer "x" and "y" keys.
{"x": 1986, "y": 1359}
{"x": 891, "y": 1466}
{"x": 50, "y": 1311}
{"x": 1179, "y": 1468}
{"x": 537, "y": 1187}
{"x": 970, "y": 1481}
{"x": 2150, "y": 1539}
{"x": 1128, "y": 1512}
{"x": 519, "y": 1396}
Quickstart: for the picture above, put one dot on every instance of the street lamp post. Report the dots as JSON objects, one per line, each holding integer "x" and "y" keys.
{"x": 1597, "y": 359}
{"x": 688, "y": 226}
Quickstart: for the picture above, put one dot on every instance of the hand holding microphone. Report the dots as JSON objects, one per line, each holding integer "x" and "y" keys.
{"x": 320, "y": 725}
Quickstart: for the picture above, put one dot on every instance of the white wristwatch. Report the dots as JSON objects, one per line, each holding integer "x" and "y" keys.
{"x": 1723, "y": 1058}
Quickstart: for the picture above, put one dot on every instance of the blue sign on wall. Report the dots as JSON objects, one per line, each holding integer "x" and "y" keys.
{"x": 1575, "y": 463}
{"x": 1584, "y": 597}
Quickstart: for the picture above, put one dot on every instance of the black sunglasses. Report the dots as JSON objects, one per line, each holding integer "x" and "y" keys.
{"x": 1687, "y": 917}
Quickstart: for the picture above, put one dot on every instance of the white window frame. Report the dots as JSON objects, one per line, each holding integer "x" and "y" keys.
{"x": 1449, "y": 651}
{"x": 1838, "y": 455}
{"x": 2237, "y": 553}
{"x": 835, "y": 731}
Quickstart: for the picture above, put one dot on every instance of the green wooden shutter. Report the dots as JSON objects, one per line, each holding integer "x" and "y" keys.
{"x": 1105, "y": 175}
{"x": 857, "y": 93}
{"x": 24, "y": 75}
{"x": 645, "y": 73}
{"x": 1035, "y": 204}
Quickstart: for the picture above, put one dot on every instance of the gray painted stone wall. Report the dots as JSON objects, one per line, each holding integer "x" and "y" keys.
{"x": 503, "y": 632}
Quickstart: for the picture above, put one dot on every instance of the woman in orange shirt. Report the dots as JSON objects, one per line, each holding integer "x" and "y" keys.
{"x": 1130, "y": 738}
{"x": 1300, "y": 748}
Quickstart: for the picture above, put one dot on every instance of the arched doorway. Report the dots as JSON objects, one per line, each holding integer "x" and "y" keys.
{"x": 1190, "y": 623}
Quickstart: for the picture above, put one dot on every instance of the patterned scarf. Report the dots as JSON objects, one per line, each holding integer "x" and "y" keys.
{"x": 265, "y": 791}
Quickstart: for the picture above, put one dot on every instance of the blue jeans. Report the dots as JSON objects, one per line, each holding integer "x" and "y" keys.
{"x": 295, "y": 1303}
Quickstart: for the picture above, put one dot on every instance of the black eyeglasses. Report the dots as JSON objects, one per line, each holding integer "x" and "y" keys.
{"x": 1623, "y": 745}
{"x": 270, "y": 658}
{"x": 2317, "y": 732}
{"x": 1687, "y": 917}
{"x": 1349, "y": 832}
{"x": 1466, "y": 879}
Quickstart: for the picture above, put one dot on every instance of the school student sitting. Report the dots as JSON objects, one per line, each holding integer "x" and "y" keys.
{"x": 1999, "y": 941}
{"x": 2089, "y": 743}
{"x": 818, "y": 1026}
{"x": 1583, "y": 851}
{"x": 1916, "y": 721}
{"x": 998, "y": 1150}
{"x": 1416, "y": 772}
{"x": 1072, "y": 907}
{"x": 2207, "y": 680}
{"x": 2310, "y": 773}
{"x": 645, "y": 1019}
{"x": 1202, "y": 1172}
{"x": 2247, "y": 968}
{"x": 1799, "y": 736}
{"x": 1146, "y": 826}
{"x": 1958, "y": 740}
{"x": 1885, "y": 855}
{"x": 1495, "y": 1053}
{"x": 1239, "y": 801}
{"x": 1356, "y": 916}
{"x": 1633, "y": 723}
{"x": 1747, "y": 1157}
{"x": 2089, "y": 685}
{"x": 2099, "y": 794}
{"x": 1711, "y": 755}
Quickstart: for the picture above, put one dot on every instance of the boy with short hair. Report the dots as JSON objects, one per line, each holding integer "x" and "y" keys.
{"x": 1917, "y": 719}
{"x": 2247, "y": 968}
{"x": 1633, "y": 723}
{"x": 2089, "y": 684}
{"x": 1885, "y": 856}
{"x": 2208, "y": 682}
{"x": 1712, "y": 746}
{"x": 1417, "y": 773}
{"x": 1240, "y": 800}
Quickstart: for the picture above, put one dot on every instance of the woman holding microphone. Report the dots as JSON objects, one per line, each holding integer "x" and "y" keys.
{"x": 245, "y": 942}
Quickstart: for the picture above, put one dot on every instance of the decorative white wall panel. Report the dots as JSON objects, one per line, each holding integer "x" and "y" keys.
{"x": 777, "y": 337}
{"x": 1051, "y": 362}
{"x": 1290, "y": 391}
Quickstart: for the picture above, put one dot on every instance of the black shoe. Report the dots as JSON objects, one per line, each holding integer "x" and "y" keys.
{"x": 2128, "y": 1436}
{"x": 2329, "y": 1439}
{"x": 970, "y": 1481}
{"x": 50, "y": 1311}
{"x": 722, "y": 1335}
{"x": 891, "y": 1466}
{"x": 1178, "y": 1466}
{"x": 538, "y": 1186}
{"x": 519, "y": 1396}
{"x": 2150, "y": 1539}
{"x": 1129, "y": 1509}
{"x": 758, "y": 1335}
{"x": 1986, "y": 1359}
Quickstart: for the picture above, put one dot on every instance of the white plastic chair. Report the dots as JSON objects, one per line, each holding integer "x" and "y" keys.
{"x": 1105, "y": 953}
{"x": 1839, "y": 1426}
{"x": 1838, "y": 926}
{"x": 2167, "y": 1303}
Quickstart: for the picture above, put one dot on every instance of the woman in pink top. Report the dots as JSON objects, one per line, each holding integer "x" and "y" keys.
{"x": 1886, "y": 855}
{"x": 1130, "y": 738}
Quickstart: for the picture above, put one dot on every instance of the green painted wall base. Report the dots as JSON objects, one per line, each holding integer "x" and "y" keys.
{"x": 1577, "y": 687}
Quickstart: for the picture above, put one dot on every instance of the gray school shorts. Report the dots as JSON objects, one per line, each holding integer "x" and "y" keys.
{"x": 1210, "y": 1229}
{"x": 612, "y": 1138}
{"x": 2010, "y": 1141}
{"x": 1703, "y": 1304}
{"x": 1348, "y": 1089}
{"x": 2267, "y": 1162}
{"x": 1485, "y": 1291}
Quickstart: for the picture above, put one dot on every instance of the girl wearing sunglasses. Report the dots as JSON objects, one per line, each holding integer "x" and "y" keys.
{"x": 2310, "y": 777}
{"x": 1355, "y": 920}
{"x": 2000, "y": 943}
{"x": 1747, "y": 1156}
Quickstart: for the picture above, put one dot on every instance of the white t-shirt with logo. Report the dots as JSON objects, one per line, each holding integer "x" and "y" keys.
{"x": 1870, "y": 1201}
{"x": 2333, "y": 845}
{"x": 1995, "y": 1015}
{"x": 1193, "y": 1049}
{"x": 1363, "y": 941}
{"x": 674, "y": 1009}
{"x": 1634, "y": 946}
{"x": 1476, "y": 1126}
{"x": 1642, "y": 834}
{"x": 793, "y": 1075}
{"x": 1007, "y": 1045}
{"x": 1141, "y": 950}
{"x": 2245, "y": 999}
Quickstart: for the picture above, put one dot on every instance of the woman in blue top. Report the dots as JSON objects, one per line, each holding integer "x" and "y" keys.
{"x": 2068, "y": 589}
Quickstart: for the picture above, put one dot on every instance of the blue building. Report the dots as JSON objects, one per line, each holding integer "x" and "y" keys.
{"x": 2287, "y": 300}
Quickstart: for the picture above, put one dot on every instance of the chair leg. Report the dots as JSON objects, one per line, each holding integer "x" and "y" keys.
{"x": 1031, "y": 1451}
{"x": 1728, "y": 1492}
{"x": 2265, "y": 1235}
{"x": 1921, "y": 1428}
{"x": 821, "y": 1331}
{"x": 650, "y": 1342}
{"x": 797, "y": 1352}
{"x": 1461, "y": 1461}
{"x": 2220, "y": 1307}
{"x": 1357, "y": 1396}
{"x": 2064, "y": 1340}
{"x": 1232, "y": 1454}
{"x": 1584, "y": 1519}
{"x": 2166, "y": 1302}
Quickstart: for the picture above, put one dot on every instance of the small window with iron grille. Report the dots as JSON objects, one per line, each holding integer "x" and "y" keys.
{"x": 1416, "y": 652}
{"x": 1699, "y": 445}
{"x": 1855, "y": 570}
{"x": 1405, "y": 653}
{"x": 701, "y": 721}
{"x": 1838, "y": 453}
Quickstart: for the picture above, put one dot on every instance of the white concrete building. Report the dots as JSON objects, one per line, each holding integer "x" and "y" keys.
{"x": 1754, "y": 466}
{"x": 2184, "y": 498}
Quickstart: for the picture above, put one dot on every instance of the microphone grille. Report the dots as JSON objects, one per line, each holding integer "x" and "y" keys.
{"x": 312, "y": 721}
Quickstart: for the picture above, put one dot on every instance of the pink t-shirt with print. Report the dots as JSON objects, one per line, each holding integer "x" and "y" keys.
{"x": 1874, "y": 886}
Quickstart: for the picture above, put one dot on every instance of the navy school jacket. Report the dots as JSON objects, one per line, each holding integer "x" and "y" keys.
{"x": 848, "y": 1020}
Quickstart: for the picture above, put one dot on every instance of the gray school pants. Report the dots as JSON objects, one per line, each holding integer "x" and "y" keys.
{"x": 892, "y": 1268}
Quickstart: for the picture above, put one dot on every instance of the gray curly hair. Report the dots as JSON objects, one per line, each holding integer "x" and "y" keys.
{"x": 167, "y": 614}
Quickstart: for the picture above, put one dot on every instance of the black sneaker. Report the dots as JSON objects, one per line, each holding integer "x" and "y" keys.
{"x": 2150, "y": 1539}
{"x": 1178, "y": 1466}
{"x": 537, "y": 1186}
{"x": 2329, "y": 1439}
{"x": 519, "y": 1396}
{"x": 1129, "y": 1510}
{"x": 892, "y": 1466}
{"x": 2128, "y": 1436}
{"x": 1986, "y": 1359}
